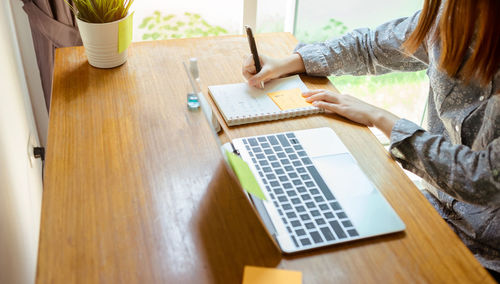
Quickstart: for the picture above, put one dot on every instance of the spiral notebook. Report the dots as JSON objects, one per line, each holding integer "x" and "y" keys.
{"x": 241, "y": 104}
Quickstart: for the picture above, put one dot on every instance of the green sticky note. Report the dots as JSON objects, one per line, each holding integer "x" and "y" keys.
{"x": 125, "y": 28}
{"x": 245, "y": 176}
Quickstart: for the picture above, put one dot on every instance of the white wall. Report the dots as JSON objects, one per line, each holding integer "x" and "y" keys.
{"x": 20, "y": 176}
{"x": 31, "y": 72}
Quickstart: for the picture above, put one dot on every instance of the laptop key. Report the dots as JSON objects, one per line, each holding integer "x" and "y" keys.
{"x": 280, "y": 172}
{"x": 298, "y": 147}
{"x": 281, "y": 155}
{"x": 316, "y": 237}
{"x": 310, "y": 204}
{"x": 329, "y": 215}
{"x": 293, "y": 175}
{"x": 284, "y": 220}
{"x": 306, "y": 197}
{"x": 266, "y": 169}
{"x": 295, "y": 241}
{"x": 318, "y": 198}
{"x": 282, "y": 198}
{"x": 352, "y": 233}
{"x": 265, "y": 145}
{"x": 305, "y": 177}
{"x": 314, "y": 213}
{"x": 300, "y": 208}
{"x": 301, "y": 170}
{"x": 320, "y": 221}
{"x": 291, "y": 215}
{"x": 296, "y": 163}
{"x": 289, "y": 168}
{"x": 346, "y": 223}
{"x": 337, "y": 229}
{"x": 275, "y": 184}
{"x": 301, "y": 189}
{"x": 309, "y": 225}
{"x": 290, "y": 135}
{"x": 283, "y": 178}
{"x": 273, "y": 140}
{"x": 306, "y": 161}
{"x": 283, "y": 140}
{"x": 287, "y": 185}
{"x": 309, "y": 184}
{"x": 300, "y": 232}
{"x": 285, "y": 161}
{"x": 295, "y": 200}
{"x": 256, "y": 150}
{"x": 314, "y": 191}
{"x": 268, "y": 151}
{"x": 287, "y": 206}
{"x": 262, "y": 139}
{"x": 302, "y": 153}
{"x": 327, "y": 233}
{"x": 341, "y": 215}
{"x": 323, "y": 207}
{"x": 270, "y": 176}
{"x": 253, "y": 141}
{"x": 291, "y": 193}
{"x": 278, "y": 190}
{"x": 335, "y": 206}
{"x": 263, "y": 162}
{"x": 297, "y": 181}
{"x": 289, "y": 150}
{"x": 272, "y": 158}
{"x": 295, "y": 223}
{"x": 275, "y": 165}
{"x": 293, "y": 157}
{"x": 319, "y": 180}
{"x": 305, "y": 217}
{"x": 278, "y": 149}
{"x": 305, "y": 242}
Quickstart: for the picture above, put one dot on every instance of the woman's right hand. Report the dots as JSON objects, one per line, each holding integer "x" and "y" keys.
{"x": 272, "y": 68}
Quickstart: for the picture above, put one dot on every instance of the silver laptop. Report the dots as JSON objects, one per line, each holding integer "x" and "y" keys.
{"x": 316, "y": 194}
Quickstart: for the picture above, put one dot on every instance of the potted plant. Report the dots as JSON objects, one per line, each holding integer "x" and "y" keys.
{"x": 106, "y": 30}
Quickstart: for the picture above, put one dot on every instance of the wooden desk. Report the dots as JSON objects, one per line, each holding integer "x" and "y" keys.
{"x": 136, "y": 192}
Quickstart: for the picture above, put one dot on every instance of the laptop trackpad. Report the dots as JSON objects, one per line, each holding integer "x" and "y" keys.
{"x": 343, "y": 176}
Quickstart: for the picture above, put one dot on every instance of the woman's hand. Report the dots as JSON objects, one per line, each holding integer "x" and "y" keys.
{"x": 272, "y": 68}
{"x": 353, "y": 109}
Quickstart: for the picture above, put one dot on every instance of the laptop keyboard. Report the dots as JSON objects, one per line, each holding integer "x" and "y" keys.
{"x": 307, "y": 207}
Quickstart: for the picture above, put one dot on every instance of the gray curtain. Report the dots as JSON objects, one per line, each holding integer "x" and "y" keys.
{"x": 52, "y": 26}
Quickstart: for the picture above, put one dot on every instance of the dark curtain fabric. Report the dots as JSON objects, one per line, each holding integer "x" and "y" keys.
{"x": 52, "y": 26}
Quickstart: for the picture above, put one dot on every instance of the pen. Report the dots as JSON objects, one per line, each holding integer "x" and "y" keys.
{"x": 253, "y": 49}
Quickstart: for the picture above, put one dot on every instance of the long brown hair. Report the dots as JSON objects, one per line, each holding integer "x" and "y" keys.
{"x": 463, "y": 23}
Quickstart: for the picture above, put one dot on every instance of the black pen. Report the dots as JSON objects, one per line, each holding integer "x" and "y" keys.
{"x": 255, "y": 53}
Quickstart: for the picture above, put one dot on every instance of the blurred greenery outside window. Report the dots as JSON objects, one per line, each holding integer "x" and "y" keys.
{"x": 401, "y": 93}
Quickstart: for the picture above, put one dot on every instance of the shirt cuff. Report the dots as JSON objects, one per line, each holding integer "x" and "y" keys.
{"x": 314, "y": 59}
{"x": 402, "y": 130}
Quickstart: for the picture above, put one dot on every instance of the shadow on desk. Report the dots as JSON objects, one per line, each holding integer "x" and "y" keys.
{"x": 230, "y": 234}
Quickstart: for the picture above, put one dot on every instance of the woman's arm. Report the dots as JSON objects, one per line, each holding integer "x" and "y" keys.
{"x": 365, "y": 51}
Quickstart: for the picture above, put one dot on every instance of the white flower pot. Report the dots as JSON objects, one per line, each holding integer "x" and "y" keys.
{"x": 101, "y": 43}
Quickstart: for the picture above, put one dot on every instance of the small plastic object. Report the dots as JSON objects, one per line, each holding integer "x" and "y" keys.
{"x": 193, "y": 102}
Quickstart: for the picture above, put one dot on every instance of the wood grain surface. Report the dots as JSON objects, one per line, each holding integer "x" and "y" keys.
{"x": 135, "y": 190}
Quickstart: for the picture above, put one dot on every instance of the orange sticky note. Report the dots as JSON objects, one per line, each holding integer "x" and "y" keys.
{"x": 289, "y": 99}
{"x": 263, "y": 275}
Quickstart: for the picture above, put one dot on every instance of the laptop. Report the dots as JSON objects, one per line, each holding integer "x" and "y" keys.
{"x": 316, "y": 195}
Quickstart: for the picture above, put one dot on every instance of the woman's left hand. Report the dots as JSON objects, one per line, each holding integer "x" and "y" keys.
{"x": 352, "y": 108}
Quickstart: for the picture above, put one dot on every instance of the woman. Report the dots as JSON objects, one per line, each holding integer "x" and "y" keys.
{"x": 458, "y": 42}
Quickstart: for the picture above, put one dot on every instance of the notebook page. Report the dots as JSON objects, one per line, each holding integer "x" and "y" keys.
{"x": 242, "y": 100}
